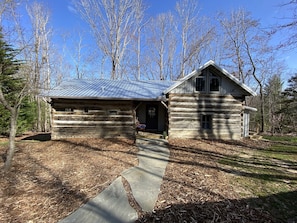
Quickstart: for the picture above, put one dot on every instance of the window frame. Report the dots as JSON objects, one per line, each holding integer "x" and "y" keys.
{"x": 206, "y": 122}
{"x": 68, "y": 109}
{"x": 208, "y": 78}
{"x": 203, "y": 78}
{"x": 211, "y": 78}
{"x": 113, "y": 112}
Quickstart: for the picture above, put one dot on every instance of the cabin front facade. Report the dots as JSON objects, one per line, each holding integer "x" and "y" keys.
{"x": 106, "y": 108}
{"x": 208, "y": 103}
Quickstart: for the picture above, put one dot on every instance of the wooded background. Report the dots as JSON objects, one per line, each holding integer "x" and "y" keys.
{"x": 128, "y": 44}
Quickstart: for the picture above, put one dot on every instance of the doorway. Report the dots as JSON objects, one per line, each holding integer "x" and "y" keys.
{"x": 152, "y": 117}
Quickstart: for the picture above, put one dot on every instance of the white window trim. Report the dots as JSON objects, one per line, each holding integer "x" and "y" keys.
{"x": 207, "y": 77}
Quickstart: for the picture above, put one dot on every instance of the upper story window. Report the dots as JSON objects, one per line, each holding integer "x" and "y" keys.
{"x": 200, "y": 83}
{"x": 214, "y": 82}
{"x": 208, "y": 82}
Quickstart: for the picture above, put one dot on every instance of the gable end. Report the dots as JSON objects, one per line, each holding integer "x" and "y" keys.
{"x": 212, "y": 75}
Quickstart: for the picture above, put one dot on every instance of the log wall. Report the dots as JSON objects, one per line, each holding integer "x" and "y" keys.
{"x": 186, "y": 111}
{"x": 92, "y": 119}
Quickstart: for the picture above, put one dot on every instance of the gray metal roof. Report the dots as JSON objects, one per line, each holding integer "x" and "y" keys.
{"x": 110, "y": 89}
{"x": 127, "y": 89}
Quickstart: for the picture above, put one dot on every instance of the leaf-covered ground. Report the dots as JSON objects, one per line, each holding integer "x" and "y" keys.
{"x": 205, "y": 181}
{"x": 197, "y": 188}
{"x": 50, "y": 179}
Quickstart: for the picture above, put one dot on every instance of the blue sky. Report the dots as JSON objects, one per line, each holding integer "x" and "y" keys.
{"x": 267, "y": 11}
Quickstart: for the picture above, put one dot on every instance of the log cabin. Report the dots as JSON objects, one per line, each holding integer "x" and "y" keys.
{"x": 208, "y": 103}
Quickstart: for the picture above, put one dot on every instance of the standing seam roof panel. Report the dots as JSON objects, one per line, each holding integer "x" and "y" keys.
{"x": 121, "y": 89}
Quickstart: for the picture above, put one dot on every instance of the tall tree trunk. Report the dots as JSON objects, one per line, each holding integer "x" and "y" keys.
{"x": 258, "y": 80}
{"x": 138, "y": 52}
{"x": 12, "y": 134}
{"x": 39, "y": 114}
{"x": 262, "y": 111}
{"x": 39, "y": 16}
{"x": 113, "y": 70}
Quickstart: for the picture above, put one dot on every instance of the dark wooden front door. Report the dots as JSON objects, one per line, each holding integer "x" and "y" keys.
{"x": 152, "y": 117}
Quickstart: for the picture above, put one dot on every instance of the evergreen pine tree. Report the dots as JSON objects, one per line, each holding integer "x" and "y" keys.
{"x": 290, "y": 105}
{"x": 273, "y": 104}
{"x": 12, "y": 92}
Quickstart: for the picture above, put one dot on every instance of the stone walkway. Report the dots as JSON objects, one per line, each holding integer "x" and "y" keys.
{"x": 112, "y": 205}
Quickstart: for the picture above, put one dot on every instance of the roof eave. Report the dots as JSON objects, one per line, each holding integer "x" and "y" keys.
{"x": 161, "y": 98}
{"x": 235, "y": 80}
{"x": 180, "y": 81}
{"x": 187, "y": 77}
{"x": 248, "y": 108}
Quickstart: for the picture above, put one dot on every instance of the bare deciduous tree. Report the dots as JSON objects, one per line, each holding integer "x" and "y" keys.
{"x": 162, "y": 44}
{"x": 260, "y": 58}
{"x": 112, "y": 23}
{"x": 235, "y": 28}
{"x": 187, "y": 11}
{"x": 76, "y": 52}
{"x": 139, "y": 15}
{"x": 194, "y": 32}
{"x": 40, "y": 58}
{"x": 288, "y": 25}
{"x": 5, "y": 6}
{"x": 247, "y": 47}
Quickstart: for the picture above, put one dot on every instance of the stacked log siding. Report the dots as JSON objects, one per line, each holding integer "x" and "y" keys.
{"x": 92, "y": 118}
{"x": 207, "y": 103}
{"x": 186, "y": 110}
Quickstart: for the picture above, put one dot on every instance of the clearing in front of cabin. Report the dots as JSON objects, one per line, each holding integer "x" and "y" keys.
{"x": 205, "y": 181}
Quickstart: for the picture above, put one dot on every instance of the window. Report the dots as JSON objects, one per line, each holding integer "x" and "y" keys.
{"x": 208, "y": 82}
{"x": 113, "y": 112}
{"x": 152, "y": 112}
{"x": 200, "y": 83}
{"x": 206, "y": 121}
{"x": 214, "y": 84}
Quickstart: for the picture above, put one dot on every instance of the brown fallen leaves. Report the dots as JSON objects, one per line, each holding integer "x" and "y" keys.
{"x": 50, "y": 179}
{"x": 196, "y": 187}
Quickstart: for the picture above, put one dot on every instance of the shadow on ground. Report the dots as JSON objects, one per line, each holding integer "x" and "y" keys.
{"x": 42, "y": 137}
{"x": 188, "y": 161}
{"x": 52, "y": 178}
{"x": 224, "y": 211}
{"x": 194, "y": 189}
